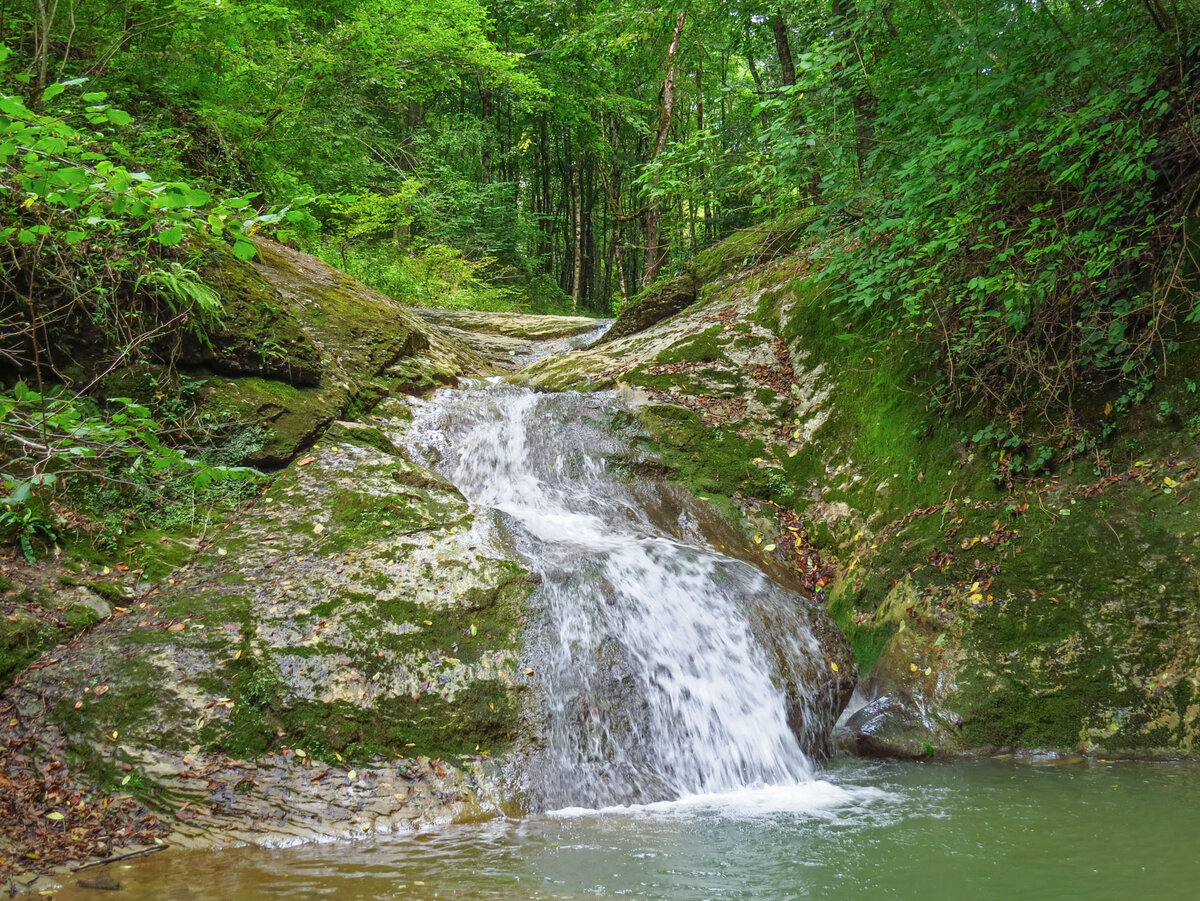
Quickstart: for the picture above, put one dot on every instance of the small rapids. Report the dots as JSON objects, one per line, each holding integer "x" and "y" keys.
{"x": 663, "y": 668}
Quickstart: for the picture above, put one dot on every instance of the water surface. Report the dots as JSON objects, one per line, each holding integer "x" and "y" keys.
{"x": 936, "y": 832}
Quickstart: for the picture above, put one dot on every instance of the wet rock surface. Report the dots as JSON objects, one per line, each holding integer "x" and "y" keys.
{"x": 991, "y": 613}
{"x": 341, "y": 658}
{"x": 513, "y": 342}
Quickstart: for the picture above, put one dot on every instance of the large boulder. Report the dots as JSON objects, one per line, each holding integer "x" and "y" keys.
{"x": 298, "y": 344}
{"x": 350, "y": 644}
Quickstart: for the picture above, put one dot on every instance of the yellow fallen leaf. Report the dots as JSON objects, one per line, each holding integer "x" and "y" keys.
{"x": 768, "y": 547}
{"x": 352, "y": 775}
{"x": 929, "y": 670}
{"x": 912, "y": 667}
{"x": 318, "y": 528}
{"x": 833, "y": 666}
{"x": 1170, "y": 482}
{"x": 54, "y": 815}
{"x": 975, "y": 598}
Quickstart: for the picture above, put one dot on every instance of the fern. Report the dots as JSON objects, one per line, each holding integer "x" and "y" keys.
{"x": 185, "y": 293}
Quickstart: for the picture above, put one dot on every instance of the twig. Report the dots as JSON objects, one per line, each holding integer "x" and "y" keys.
{"x": 141, "y": 852}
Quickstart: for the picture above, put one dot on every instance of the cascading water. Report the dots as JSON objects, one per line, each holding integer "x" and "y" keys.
{"x": 655, "y": 677}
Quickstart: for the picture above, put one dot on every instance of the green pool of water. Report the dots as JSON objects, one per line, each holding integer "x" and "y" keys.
{"x": 974, "y": 831}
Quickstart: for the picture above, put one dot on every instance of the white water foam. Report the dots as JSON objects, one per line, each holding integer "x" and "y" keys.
{"x": 655, "y": 683}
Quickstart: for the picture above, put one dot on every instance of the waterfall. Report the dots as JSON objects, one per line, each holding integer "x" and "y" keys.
{"x": 651, "y": 671}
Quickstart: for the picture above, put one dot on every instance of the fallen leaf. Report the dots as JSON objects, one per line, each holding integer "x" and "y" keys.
{"x": 306, "y": 460}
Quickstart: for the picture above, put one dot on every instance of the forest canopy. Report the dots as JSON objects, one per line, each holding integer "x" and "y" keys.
{"x": 1010, "y": 181}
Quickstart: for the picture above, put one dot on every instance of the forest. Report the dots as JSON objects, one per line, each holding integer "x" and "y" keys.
{"x": 1009, "y": 180}
{"x": 907, "y": 293}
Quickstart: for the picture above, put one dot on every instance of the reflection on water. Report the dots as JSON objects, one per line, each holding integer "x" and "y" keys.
{"x": 938, "y": 831}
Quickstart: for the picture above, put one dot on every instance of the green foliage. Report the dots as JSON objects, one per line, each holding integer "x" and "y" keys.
{"x": 1021, "y": 198}
{"x": 428, "y": 275}
{"x": 59, "y": 441}
{"x": 19, "y": 522}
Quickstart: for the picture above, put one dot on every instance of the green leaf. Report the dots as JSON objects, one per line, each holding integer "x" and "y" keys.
{"x": 52, "y": 91}
{"x": 21, "y": 493}
{"x": 171, "y": 236}
{"x": 119, "y": 117}
{"x": 244, "y": 250}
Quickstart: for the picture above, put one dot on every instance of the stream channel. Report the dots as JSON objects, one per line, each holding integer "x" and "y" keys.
{"x": 675, "y": 735}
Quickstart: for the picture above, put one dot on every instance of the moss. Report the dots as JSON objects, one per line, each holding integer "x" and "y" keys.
{"x": 21, "y": 642}
{"x": 25, "y": 637}
{"x": 714, "y": 463}
{"x": 704, "y": 347}
{"x": 113, "y": 592}
{"x": 264, "y": 717}
{"x": 128, "y": 707}
{"x": 360, "y": 518}
{"x": 867, "y": 637}
{"x": 483, "y": 716}
{"x": 289, "y": 418}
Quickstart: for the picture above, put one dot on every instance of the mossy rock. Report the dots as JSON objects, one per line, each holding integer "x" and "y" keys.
{"x": 764, "y": 389}
{"x": 658, "y": 302}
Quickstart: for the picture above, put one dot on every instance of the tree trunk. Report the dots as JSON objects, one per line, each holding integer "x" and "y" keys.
{"x": 655, "y": 246}
{"x": 700, "y": 131}
{"x": 577, "y": 191}
{"x": 46, "y": 12}
{"x": 487, "y": 111}
{"x": 784, "y": 49}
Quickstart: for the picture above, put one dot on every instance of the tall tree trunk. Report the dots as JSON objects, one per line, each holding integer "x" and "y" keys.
{"x": 700, "y": 131}
{"x": 783, "y": 48}
{"x": 577, "y": 192}
{"x": 656, "y": 246}
{"x": 545, "y": 250}
{"x": 487, "y": 111}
